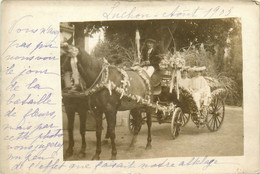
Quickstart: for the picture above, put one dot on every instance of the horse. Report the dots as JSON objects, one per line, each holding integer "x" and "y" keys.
{"x": 107, "y": 97}
{"x": 73, "y": 105}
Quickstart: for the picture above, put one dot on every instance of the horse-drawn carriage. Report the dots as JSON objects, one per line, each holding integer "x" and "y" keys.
{"x": 171, "y": 93}
{"x": 110, "y": 89}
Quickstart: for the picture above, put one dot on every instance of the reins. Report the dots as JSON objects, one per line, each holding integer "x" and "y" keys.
{"x": 104, "y": 67}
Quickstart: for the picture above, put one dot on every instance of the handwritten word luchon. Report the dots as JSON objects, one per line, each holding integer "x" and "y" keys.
{"x": 177, "y": 11}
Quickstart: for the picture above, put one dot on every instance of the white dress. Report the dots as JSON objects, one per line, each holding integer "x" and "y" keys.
{"x": 185, "y": 83}
{"x": 200, "y": 91}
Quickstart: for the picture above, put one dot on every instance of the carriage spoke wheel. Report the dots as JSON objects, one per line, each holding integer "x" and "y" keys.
{"x": 184, "y": 118}
{"x": 176, "y": 123}
{"x": 215, "y": 115}
{"x": 132, "y": 124}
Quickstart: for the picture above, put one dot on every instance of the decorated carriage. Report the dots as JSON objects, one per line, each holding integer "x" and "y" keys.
{"x": 102, "y": 88}
{"x": 170, "y": 93}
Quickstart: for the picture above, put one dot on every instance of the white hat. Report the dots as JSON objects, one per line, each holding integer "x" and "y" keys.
{"x": 198, "y": 69}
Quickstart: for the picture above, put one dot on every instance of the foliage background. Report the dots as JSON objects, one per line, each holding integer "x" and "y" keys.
{"x": 214, "y": 43}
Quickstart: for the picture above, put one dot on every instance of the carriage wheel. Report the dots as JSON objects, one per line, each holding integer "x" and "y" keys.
{"x": 176, "y": 123}
{"x": 185, "y": 117}
{"x": 216, "y": 114}
{"x": 131, "y": 124}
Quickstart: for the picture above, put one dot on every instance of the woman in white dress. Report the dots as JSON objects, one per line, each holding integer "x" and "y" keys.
{"x": 185, "y": 80}
{"x": 200, "y": 88}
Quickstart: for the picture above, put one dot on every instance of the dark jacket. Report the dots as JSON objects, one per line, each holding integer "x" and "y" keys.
{"x": 154, "y": 57}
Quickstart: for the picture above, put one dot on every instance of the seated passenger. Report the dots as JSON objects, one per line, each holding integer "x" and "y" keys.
{"x": 185, "y": 80}
{"x": 200, "y": 88}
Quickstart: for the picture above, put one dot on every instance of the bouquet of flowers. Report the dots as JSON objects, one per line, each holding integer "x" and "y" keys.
{"x": 171, "y": 61}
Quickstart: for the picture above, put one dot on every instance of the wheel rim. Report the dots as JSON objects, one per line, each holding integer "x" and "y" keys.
{"x": 176, "y": 123}
{"x": 131, "y": 123}
{"x": 184, "y": 118}
{"x": 215, "y": 115}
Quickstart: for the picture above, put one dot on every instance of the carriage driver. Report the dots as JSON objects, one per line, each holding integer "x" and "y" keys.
{"x": 150, "y": 54}
{"x": 150, "y": 61}
{"x": 199, "y": 88}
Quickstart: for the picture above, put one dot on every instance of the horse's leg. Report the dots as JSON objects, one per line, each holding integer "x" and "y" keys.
{"x": 82, "y": 117}
{"x": 105, "y": 141}
{"x": 98, "y": 134}
{"x": 111, "y": 121}
{"x": 70, "y": 115}
{"x": 149, "y": 124}
{"x": 107, "y": 133}
{"x": 137, "y": 118}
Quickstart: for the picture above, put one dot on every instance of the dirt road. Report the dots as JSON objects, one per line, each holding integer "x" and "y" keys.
{"x": 228, "y": 141}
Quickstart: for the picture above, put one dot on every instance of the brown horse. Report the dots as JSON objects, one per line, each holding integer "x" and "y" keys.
{"x": 109, "y": 101}
{"x": 72, "y": 106}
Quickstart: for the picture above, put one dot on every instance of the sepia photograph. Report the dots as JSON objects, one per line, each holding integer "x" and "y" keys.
{"x": 129, "y": 87}
{"x": 140, "y": 89}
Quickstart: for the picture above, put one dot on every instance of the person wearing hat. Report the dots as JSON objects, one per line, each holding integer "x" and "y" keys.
{"x": 150, "y": 61}
{"x": 185, "y": 80}
{"x": 199, "y": 87}
{"x": 151, "y": 54}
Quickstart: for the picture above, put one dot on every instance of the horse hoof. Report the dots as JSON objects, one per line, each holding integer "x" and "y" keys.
{"x": 148, "y": 147}
{"x": 68, "y": 154}
{"x": 113, "y": 157}
{"x": 82, "y": 154}
{"x": 96, "y": 157}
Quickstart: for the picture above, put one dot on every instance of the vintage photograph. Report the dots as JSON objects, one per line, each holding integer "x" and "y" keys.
{"x": 140, "y": 89}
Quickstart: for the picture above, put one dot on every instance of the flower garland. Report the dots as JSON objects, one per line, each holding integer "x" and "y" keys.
{"x": 122, "y": 90}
